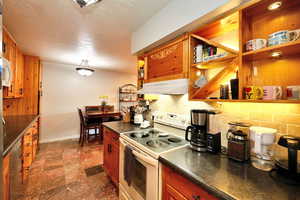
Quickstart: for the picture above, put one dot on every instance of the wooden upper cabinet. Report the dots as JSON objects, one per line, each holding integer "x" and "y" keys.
{"x": 19, "y": 74}
{"x": 13, "y": 54}
{"x": 168, "y": 62}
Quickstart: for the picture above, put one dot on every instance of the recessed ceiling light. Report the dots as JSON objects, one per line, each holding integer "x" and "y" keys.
{"x": 84, "y": 69}
{"x": 275, "y": 5}
{"x": 276, "y": 54}
{"x": 83, "y": 3}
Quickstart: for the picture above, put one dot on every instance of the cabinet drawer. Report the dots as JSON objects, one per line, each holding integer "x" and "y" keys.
{"x": 188, "y": 189}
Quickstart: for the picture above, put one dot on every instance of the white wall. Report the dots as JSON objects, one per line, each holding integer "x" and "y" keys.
{"x": 177, "y": 17}
{"x": 64, "y": 90}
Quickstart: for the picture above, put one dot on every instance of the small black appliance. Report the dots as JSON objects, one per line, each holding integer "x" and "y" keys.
{"x": 288, "y": 165}
{"x": 214, "y": 142}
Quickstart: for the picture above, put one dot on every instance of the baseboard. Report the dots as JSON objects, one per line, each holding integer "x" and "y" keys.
{"x": 59, "y": 139}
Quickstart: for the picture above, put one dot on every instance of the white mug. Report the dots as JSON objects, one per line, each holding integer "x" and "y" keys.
{"x": 293, "y": 92}
{"x": 272, "y": 92}
{"x": 256, "y": 44}
{"x": 284, "y": 36}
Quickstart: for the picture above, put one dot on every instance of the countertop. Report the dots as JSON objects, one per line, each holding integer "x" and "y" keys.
{"x": 121, "y": 127}
{"x": 227, "y": 179}
{"x": 15, "y": 127}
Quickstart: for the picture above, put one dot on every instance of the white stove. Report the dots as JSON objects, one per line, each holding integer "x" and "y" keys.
{"x": 146, "y": 146}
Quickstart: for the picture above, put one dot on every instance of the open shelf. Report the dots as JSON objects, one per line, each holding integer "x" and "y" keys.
{"x": 215, "y": 44}
{"x": 290, "y": 48}
{"x": 207, "y": 64}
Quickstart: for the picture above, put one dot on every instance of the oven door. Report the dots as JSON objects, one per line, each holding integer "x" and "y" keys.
{"x": 144, "y": 181}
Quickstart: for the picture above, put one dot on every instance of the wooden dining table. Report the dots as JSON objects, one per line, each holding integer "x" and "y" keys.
{"x": 102, "y": 114}
{"x": 99, "y": 116}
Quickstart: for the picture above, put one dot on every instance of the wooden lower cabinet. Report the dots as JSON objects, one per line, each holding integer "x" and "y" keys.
{"x": 6, "y": 182}
{"x": 111, "y": 154}
{"x": 177, "y": 187}
{"x": 16, "y": 164}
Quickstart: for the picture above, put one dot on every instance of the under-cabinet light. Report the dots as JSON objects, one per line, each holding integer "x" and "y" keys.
{"x": 275, "y": 5}
{"x": 276, "y": 54}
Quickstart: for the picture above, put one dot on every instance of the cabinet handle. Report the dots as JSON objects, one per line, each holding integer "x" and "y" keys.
{"x": 110, "y": 146}
{"x": 109, "y": 149}
{"x": 196, "y": 197}
{"x": 21, "y": 91}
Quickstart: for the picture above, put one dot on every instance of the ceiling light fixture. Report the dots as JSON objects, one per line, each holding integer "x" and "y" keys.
{"x": 275, "y": 5}
{"x": 276, "y": 54}
{"x": 84, "y": 3}
{"x": 84, "y": 69}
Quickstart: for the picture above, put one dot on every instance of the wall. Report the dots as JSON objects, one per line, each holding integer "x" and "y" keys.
{"x": 64, "y": 90}
{"x": 162, "y": 25}
{"x": 283, "y": 117}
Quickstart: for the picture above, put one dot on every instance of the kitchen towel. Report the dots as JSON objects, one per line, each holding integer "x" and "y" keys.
{"x": 129, "y": 160}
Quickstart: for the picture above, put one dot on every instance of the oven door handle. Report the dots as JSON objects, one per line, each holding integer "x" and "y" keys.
{"x": 148, "y": 160}
{"x": 145, "y": 158}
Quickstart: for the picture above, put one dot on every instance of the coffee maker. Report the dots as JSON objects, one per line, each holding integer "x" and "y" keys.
{"x": 287, "y": 159}
{"x": 196, "y": 134}
{"x": 262, "y": 140}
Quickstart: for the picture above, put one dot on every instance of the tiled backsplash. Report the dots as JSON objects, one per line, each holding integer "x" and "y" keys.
{"x": 283, "y": 117}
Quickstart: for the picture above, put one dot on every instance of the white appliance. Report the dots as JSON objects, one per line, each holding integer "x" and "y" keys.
{"x": 138, "y": 118}
{"x": 171, "y": 87}
{"x": 146, "y": 179}
{"x": 262, "y": 147}
{"x": 6, "y": 73}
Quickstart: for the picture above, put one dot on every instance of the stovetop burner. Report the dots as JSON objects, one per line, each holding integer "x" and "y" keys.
{"x": 153, "y": 131}
{"x": 139, "y": 135}
{"x": 155, "y": 140}
{"x": 174, "y": 140}
{"x": 157, "y": 143}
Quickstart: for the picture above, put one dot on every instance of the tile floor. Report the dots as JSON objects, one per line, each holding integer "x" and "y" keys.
{"x": 59, "y": 173}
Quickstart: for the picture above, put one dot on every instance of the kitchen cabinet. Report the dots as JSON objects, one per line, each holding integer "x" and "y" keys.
{"x": 19, "y": 74}
{"x": 177, "y": 187}
{"x": 5, "y": 177}
{"x": 167, "y": 62}
{"x": 16, "y": 164}
{"x": 111, "y": 154}
{"x": 16, "y": 58}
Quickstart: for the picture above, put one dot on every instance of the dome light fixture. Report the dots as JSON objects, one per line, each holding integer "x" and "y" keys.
{"x": 84, "y": 69}
{"x": 84, "y": 3}
{"x": 275, "y": 5}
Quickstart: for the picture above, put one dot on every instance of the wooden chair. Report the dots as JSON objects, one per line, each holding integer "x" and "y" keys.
{"x": 85, "y": 127}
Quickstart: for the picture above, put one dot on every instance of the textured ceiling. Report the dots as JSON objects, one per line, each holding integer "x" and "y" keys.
{"x": 60, "y": 31}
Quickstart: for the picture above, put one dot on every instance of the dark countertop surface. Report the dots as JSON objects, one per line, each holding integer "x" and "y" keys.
{"x": 227, "y": 179}
{"x": 121, "y": 127}
{"x": 15, "y": 127}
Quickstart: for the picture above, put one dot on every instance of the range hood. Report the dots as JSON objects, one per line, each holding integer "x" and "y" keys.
{"x": 172, "y": 87}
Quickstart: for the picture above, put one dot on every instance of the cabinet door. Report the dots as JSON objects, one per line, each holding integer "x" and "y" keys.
{"x": 106, "y": 151}
{"x": 19, "y": 74}
{"x": 115, "y": 164}
{"x": 168, "y": 62}
{"x": 173, "y": 182}
{"x": 171, "y": 194}
{"x": 6, "y": 183}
